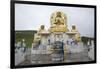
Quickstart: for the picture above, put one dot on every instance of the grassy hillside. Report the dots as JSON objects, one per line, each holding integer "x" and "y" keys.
{"x": 27, "y": 35}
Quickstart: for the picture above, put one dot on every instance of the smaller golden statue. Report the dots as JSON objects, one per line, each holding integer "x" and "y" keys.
{"x": 77, "y": 35}
{"x": 42, "y": 28}
{"x": 74, "y": 29}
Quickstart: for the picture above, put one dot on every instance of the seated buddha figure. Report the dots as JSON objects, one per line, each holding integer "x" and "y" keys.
{"x": 58, "y": 22}
{"x": 74, "y": 29}
{"x": 42, "y": 29}
{"x": 58, "y": 19}
{"x": 77, "y": 35}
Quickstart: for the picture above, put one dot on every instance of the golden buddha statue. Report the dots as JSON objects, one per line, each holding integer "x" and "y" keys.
{"x": 77, "y": 35}
{"x": 58, "y": 22}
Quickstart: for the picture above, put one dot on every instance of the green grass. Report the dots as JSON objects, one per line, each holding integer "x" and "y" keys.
{"x": 27, "y": 35}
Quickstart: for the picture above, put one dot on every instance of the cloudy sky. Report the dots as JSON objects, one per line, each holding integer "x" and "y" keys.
{"x": 30, "y": 17}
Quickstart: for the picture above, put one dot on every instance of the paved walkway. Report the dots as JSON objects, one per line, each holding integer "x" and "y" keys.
{"x": 45, "y": 59}
{"x": 81, "y": 56}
